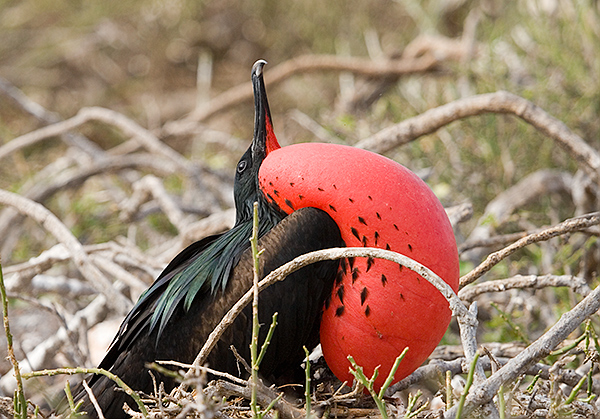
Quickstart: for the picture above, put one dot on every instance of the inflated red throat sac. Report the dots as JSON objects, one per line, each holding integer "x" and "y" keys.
{"x": 376, "y": 308}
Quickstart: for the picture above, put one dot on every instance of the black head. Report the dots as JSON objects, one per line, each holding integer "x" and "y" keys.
{"x": 246, "y": 189}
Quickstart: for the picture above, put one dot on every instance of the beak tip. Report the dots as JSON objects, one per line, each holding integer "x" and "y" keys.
{"x": 257, "y": 68}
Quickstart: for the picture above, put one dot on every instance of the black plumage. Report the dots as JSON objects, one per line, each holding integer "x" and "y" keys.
{"x": 173, "y": 318}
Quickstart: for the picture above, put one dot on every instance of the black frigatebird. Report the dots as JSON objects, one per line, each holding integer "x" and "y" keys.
{"x": 173, "y": 318}
{"x": 311, "y": 196}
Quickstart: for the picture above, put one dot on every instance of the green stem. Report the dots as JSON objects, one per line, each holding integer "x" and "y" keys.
{"x": 20, "y": 400}
{"x": 255, "y": 323}
{"x": 358, "y": 373}
{"x": 307, "y": 384}
{"x": 576, "y": 390}
{"x": 265, "y": 345}
{"x": 390, "y": 376}
{"x": 501, "y": 403}
{"x": 463, "y": 396}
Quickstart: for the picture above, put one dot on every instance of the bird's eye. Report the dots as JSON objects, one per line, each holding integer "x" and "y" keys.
{"x": 242, "y": 166}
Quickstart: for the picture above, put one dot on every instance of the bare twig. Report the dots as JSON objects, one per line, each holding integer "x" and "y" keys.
{"x": 117, "y": 272}
{"x": 41, "y": 355}
{"x": 498, "y": 102}
{"x": 128, "y": 126}
{"x": 529, "y": 189}
{"x": 458, "y": 309}
{"x": 92, "y": 397}
{"x": 568, "y": 226}
{"x": 528, "y": 281}
{"x": 484, "y": 392}
{"x": 20, "y": 400}
{"x": 55, "y": 227}
{"x": 459, "y": 213}
{"x": 436, "y": 367}
{"x": 43, "y": 115}
{"x": 148, "y": 186}
{"x": 230, "y": 377}
{"x": 306, "y": 64}
{"x": 265, "y": 396}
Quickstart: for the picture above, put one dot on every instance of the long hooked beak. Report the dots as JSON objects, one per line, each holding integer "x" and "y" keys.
{"x": 264, "y": 140}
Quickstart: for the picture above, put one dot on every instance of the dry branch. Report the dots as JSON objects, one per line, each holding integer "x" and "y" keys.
{"x": 498, "y": 102}
{"x": 265, "y": 395}
{"x": 465, "y": 318}
{"x": 485, "y": 392}
{"x": 40, "y": 113}
{"x": 301, "y": 65}
{"x": 83, "y": 263}
{"x": 151, "y": 186}
{"x": 437, "y": 367}
{"x": 129, "y": 127}
{"x": 43, "y": 353}
{"x": 568, "y": 226}
{"x": 529, "y": 281}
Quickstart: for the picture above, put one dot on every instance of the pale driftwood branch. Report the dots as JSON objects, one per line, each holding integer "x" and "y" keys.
{"x": 439, "y": 47}
{"x": 72, "y": 178}
{"x": 44, "y": 284}
{"x": 459, "y": 213}
{"x": 213, "y": 224}
{"x": 468, "y": 338}
{"x": 437, "y": 367}
{"x": 118, "y": 273}
{"x": 42, "y": 354}
{"x": 498, "y": 349}
{"x": 110, "y": 117}
{"x": 55, "y": 227}
{"x": 129, "y": 255}
{"x": 265, "y": 395}
{"x": 485, "y": 392}
{"x": 28, "y": 275}
{"x": 501, "y": 239}
{"x": 577, "y": 284}
{"x": 498, "y": 102}
{"x": 40, "y": 263}
{"x": 77, "y": 176}
{"x": 568, "y": 226}
{"x": 148, "y": 186}
{"x": 198, "y": 370}
{"x": 43, "y": 115}
{"x": 307, "y": 64}
{"x": 92, "y": 397}
{"x": 464, "y": 316}
{"x": 129, "y": 127}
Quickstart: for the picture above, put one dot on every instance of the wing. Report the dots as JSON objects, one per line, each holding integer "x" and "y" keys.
{"x": 139, "y": 317}
{"x": 298, "y": 300}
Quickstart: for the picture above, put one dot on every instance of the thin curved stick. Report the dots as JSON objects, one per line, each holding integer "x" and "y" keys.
{"x": 458, "y": 309}
{"x": 577, "y": 284}
{"x": 484, "y": 392}
{"x": 497, "y": 102}
{"x": 307, "y": 64}
{"x": 55, "y": 227}
{"x": 568, "y": 226}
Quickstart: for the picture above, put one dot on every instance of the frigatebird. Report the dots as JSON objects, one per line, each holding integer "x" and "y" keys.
{"x": 173, "y": 318}
{"x": 310, "y": 196}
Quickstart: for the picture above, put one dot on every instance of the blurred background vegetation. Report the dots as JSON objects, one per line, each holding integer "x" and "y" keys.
{"x": 142, "y": 58}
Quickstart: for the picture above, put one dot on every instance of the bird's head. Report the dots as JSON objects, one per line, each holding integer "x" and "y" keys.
{"x": 246, "y": 187}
